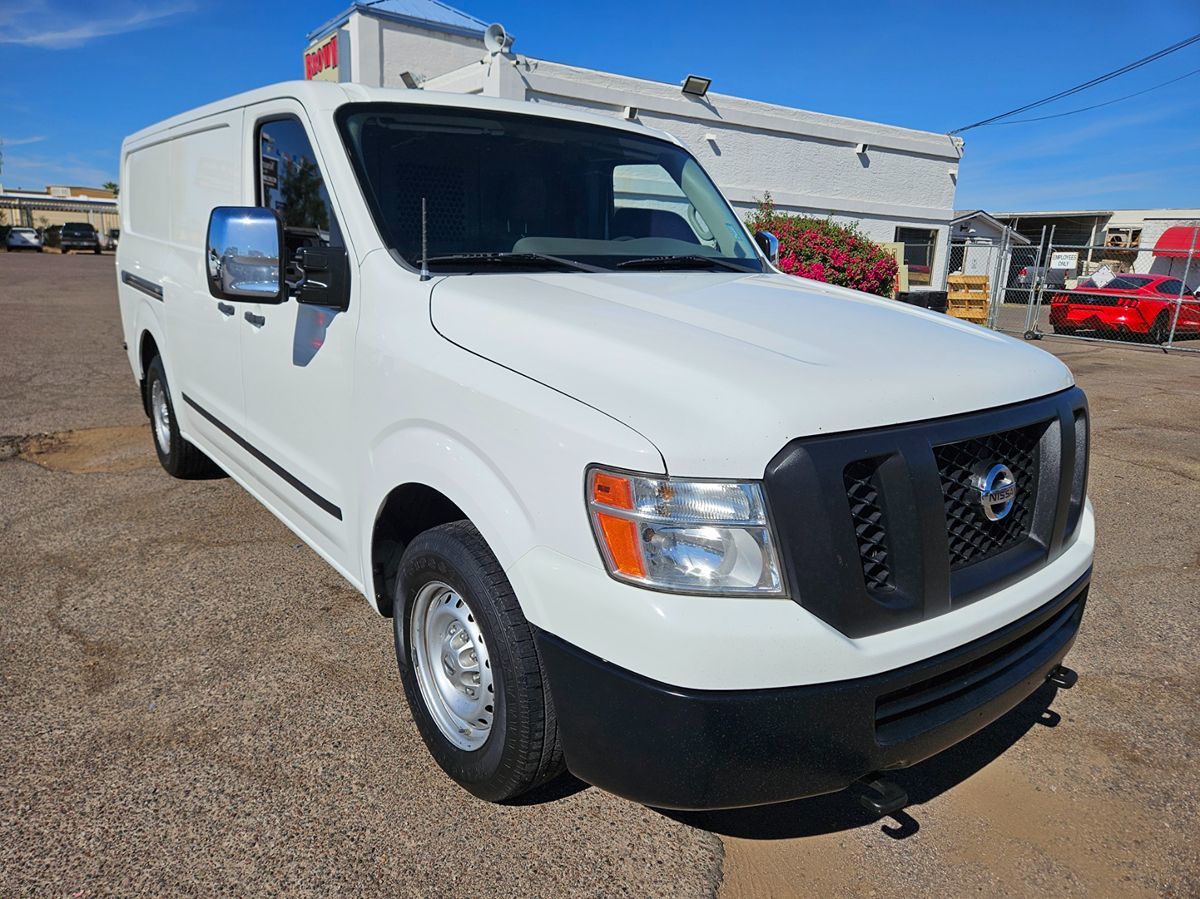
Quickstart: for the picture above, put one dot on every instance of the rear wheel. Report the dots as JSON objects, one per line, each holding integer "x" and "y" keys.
{"x": 1160, "y": 331}
{"x": 180, "y": 458}
{"x": 470, "y": 667}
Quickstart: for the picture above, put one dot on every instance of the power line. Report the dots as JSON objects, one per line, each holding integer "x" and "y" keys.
{"x": 1059, "y": 115}
{"x": 1146, "y": 60}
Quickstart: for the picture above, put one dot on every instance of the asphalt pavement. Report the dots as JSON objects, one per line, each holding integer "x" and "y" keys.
{"x": 191, "y": 702}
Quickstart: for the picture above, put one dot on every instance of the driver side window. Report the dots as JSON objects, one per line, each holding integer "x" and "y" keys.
{"x": 291, "y": 183}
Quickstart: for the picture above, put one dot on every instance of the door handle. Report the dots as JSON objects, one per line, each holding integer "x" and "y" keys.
{"x": 225, "y": 309}
{"x": 257, "y": 320}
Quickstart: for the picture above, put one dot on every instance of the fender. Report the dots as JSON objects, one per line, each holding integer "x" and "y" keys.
{"x": 424, "y": 452}
{"x": 146, "y": 320}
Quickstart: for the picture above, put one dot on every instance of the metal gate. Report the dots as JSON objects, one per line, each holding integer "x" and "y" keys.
{"x": 1124, "y": 295}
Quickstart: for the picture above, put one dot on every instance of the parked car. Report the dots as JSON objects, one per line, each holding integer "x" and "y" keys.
{"x": 114, "y": 237}
{"x": 1134, "y": 305}
{"x": 637, "y": 503}
{"x": 79, "y": 236}
{"x": 1030, "y": 276}
{"x": 23, "y": 239}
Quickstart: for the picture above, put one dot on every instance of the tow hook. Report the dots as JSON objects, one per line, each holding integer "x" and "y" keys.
{"x": 1062, "y": 676}
{"x": 879, "y": 795}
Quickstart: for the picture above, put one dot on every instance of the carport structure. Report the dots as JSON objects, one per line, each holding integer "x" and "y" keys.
{"x": 28, "y": 208}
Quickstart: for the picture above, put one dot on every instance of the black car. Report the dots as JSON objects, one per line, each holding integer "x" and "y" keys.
{"x": 79, "y": 236}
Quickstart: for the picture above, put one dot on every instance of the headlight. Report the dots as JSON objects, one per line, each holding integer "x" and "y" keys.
{"x": 684, "y": 536}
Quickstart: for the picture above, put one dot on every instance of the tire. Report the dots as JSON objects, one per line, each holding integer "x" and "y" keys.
{"x": 449, "y": 578}
{"x": 1160, "y": 331}
{"x": 179, "y": 458}
{"x": 96, "y": 252}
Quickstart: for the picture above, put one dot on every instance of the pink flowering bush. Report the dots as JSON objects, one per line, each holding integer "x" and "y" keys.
{"x": 823, "y": 251}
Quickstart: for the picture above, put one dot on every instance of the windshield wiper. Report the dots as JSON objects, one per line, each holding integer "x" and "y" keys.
{"x": 664, "y": 263}
{"x": 504, "y": 259}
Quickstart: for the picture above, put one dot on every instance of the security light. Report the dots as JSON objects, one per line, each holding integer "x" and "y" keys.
{"x": 696, "y": 86}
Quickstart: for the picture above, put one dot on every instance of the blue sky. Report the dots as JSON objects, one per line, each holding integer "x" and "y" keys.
{"x": 78, "y": 76}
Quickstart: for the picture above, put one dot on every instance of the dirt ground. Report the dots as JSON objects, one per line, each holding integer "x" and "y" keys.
{"x": 191, "y": 702}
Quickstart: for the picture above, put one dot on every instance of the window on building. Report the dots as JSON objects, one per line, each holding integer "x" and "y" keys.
{"x": 919, "y": 246}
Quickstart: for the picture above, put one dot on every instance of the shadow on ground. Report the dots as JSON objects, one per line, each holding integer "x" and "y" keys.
{"x": 923, "y": 782}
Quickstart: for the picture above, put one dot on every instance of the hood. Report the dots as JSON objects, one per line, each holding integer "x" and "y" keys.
{"x": 720, "y": 371}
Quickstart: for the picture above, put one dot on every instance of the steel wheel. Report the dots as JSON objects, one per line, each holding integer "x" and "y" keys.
{"x": 160, "y": 412}
{"x": 452, "y": 666}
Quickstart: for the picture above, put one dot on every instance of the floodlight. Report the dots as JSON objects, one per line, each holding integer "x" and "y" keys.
{"x": 696, "y": 85}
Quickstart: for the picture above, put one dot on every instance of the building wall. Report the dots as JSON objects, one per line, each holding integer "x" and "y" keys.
{"x": 381, "y": 50}
{"x": 807, "y": 161}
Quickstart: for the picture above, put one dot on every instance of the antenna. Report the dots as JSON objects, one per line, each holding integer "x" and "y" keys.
{"x": 424, "y": 245}
{"x": 496, "y": 39}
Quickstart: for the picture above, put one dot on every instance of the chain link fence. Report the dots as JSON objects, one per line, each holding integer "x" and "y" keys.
{"x": 1129, "y": 295}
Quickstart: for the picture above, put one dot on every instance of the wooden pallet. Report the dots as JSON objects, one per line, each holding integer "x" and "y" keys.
{"x": 967, "y": 297}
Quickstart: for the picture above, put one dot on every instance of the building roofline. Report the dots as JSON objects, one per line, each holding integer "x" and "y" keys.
{"x": 961, "y": 216}
{"x": 368, "y": 9}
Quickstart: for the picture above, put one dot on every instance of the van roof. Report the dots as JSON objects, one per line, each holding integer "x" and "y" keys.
{"x": 328, "y": 96}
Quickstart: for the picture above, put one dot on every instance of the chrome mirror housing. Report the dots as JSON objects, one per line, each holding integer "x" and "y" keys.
{"x": 769, "y": 244}
{"x": 242, "y": 254}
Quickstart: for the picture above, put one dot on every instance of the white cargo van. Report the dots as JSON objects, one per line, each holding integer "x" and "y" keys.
{"x": 639, "y": 505}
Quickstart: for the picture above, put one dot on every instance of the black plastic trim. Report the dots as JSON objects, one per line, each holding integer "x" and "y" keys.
{"x": 819, "y": 547}
{"x": 149, "y": 288}
{"x": 266, "y": 460}
{"x": 673, "y": 747}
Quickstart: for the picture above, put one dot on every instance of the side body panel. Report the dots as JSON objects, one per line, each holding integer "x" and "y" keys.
{"x": 172, "y": 181}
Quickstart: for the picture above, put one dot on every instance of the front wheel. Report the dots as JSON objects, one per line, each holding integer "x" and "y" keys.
{"x": 470, "y": 667}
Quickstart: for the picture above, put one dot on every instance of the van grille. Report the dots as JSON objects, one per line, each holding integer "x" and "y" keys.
{"x": 970, "y": 534}
{"x": 881, "y": 528}
{"x": 862, "y": 491}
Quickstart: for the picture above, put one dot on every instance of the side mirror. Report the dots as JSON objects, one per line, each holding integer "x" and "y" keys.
{"x": 242, "y": 254}
{"x": 769, "y": 244}
{"x": 325, "y": 277}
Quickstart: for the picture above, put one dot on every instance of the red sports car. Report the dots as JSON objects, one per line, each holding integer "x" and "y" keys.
{"x": 1141, "y": 305}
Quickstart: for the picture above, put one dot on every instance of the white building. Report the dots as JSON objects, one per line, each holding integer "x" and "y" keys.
{"x": 897, "y": 183}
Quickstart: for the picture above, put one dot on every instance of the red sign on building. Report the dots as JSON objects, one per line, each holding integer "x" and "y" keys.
{"x": 321, "y": 62}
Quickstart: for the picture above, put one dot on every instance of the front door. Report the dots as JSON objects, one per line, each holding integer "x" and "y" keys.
{"x": 297, "y": 360}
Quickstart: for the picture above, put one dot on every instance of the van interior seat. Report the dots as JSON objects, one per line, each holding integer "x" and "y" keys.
{"x": 630, "y": 221}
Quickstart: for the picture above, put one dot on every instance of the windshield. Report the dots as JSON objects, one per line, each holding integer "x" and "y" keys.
{"x": 538, "y": 193}
{"x": 72, "y": 228}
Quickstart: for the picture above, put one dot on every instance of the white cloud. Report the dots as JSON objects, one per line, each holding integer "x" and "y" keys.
{"x": 21, "y": 141}
{"x": 37, "y": 23}
{"x": 37, "y": 171}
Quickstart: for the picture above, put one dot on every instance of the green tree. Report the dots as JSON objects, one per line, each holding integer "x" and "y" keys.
{"x": 112, "y": 186}
{"x": 303, "y": 206}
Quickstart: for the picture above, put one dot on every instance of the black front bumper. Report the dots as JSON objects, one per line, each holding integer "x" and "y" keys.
{"x": 671, "y": 747}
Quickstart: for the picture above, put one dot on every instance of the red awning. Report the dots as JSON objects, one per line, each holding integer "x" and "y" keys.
{"x": 1177, "y": 241}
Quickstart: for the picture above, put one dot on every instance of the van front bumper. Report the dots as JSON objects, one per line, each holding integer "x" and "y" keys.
{"x": 678, "y": 748}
